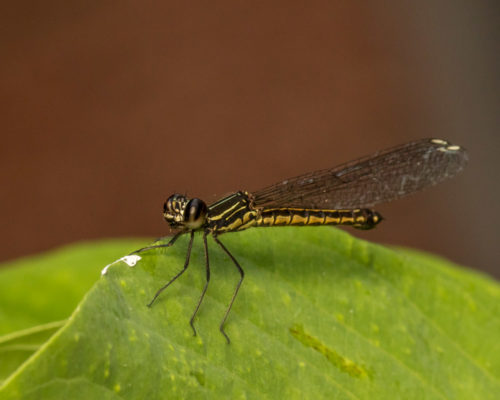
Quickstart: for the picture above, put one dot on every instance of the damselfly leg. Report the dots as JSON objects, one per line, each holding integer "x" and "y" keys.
{"x": 242, "y": 276}
{"x": 207, "y": 268}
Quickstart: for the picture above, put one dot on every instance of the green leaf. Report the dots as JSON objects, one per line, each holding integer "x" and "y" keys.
{"x": 48, "y": 287}
{"x": 15, "y": 348}
{"x": 320, "y": 315}
{"x": 36, "y": 293}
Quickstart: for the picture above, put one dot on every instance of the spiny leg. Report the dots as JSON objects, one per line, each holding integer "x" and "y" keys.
{"x": 242, "y": 274}
{"x": 207, "y": 266}
{"x": 157, "y": 246}
{"x": 186, "y": 264}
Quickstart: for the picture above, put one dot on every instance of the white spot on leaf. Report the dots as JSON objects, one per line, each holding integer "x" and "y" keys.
{"x": 129, "y": 260}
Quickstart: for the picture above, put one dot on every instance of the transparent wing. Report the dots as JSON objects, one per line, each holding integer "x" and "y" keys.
{"x": 383, "y": 176}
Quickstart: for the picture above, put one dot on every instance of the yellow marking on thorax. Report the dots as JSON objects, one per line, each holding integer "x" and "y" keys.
{"x": 248, "y": 216}
{"x": 246, "y": 221}
{"x": 236, "y": 211}
{"x": 246, "y": 225}
{"x": 233, "y": 226}
{"x": 222, "y": 214}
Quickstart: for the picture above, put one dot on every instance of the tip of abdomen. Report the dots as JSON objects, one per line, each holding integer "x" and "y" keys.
{"x": 370, "y": 219}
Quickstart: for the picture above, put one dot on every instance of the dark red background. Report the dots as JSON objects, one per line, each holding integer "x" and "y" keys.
{"x": 108, "y": 107}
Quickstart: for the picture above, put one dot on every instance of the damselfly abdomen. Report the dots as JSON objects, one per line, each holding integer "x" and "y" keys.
{"x": 337, "y": 196}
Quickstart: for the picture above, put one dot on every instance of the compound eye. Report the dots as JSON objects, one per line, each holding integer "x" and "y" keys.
{"x": 195, "y": 213}
{"x": 172, "y": 204}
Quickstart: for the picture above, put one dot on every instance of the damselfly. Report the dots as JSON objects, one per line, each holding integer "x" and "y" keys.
{"x": 335, "y": 196}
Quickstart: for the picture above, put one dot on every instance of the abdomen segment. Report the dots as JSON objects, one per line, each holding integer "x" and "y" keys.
{"x": 363, "y": 218}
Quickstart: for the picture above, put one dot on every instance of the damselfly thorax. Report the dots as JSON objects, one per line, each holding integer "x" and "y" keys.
{"x": 337, "y": 196}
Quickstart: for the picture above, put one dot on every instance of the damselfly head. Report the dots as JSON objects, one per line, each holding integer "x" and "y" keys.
{"x": 179, "y": 211}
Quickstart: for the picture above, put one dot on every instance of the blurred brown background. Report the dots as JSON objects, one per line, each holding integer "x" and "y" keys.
{"x": 108, "y": 107}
